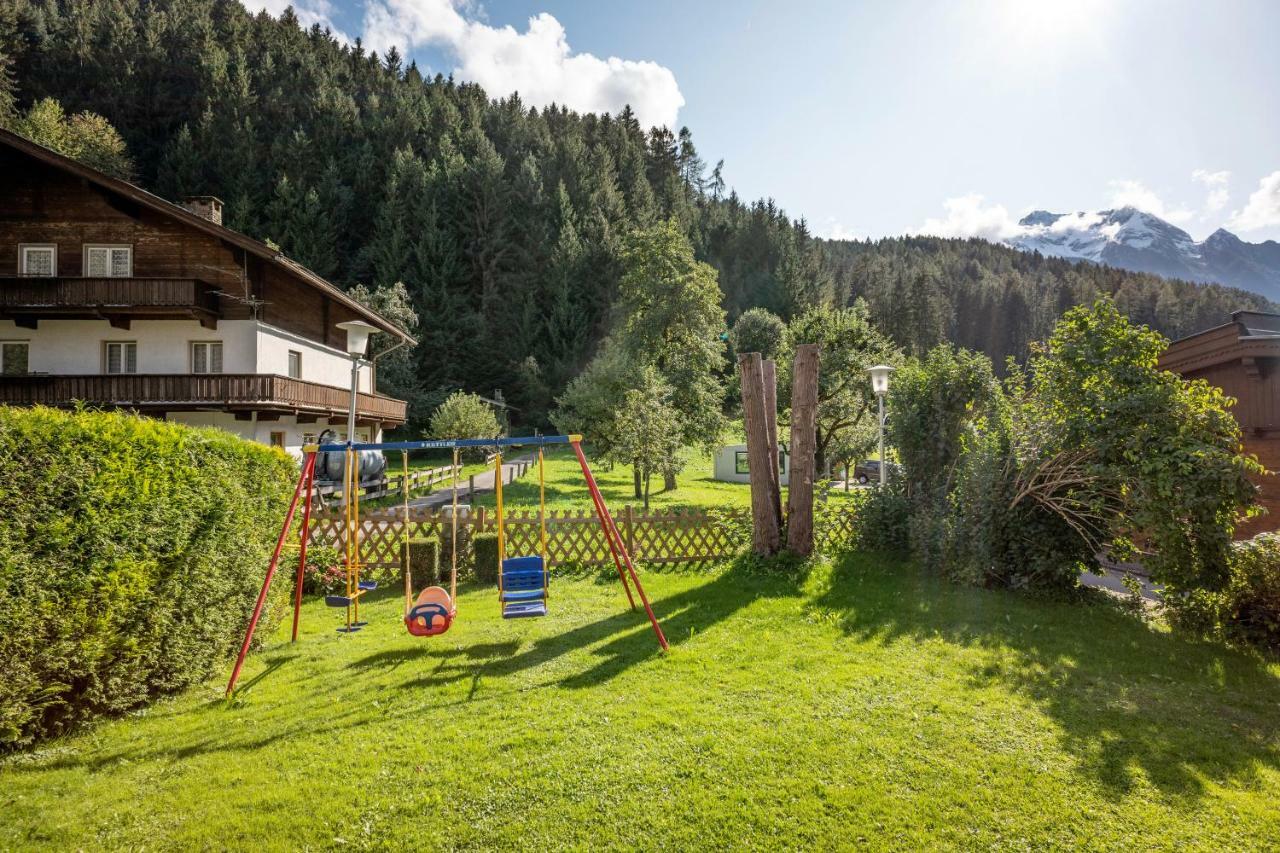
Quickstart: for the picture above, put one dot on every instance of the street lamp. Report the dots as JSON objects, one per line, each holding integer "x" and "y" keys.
{"x": 358, "y": 332}
{"x": 880, "y": 384}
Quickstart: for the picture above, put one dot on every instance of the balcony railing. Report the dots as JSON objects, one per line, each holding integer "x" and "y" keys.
{"x": 224, "y": 391}
{"x": 107, "y": 297}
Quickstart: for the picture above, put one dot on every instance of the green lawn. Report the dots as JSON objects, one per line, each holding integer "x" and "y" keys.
{"x": 869, "y": 705}
{"x": 566, "y": 489}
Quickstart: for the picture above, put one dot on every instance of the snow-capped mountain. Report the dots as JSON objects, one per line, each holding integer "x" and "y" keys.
{"x": 1134, "y": 240}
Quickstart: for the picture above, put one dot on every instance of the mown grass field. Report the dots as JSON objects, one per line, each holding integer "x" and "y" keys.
{"x": 867, "y": 705}
{"x": 695, "y": 487}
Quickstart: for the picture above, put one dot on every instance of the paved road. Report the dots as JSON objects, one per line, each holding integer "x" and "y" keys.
{"x": 483, "y": 481}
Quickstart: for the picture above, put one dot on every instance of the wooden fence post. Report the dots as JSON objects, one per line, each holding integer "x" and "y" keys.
{"x": 628, "y": 522}
{"x": 765, "y": 534}
{"x": 804, "y": 413}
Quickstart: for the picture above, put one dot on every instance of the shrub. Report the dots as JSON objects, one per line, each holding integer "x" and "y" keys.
{"x": 484, "y": 552}
{"x": 881, "y": 522}
{"x": 423, "y": 554}
{"x": 1248, "y": 608}
{"x": 130, "y": 556}
{"x": 325, "y": 572}
{"x": 465, "y": 415}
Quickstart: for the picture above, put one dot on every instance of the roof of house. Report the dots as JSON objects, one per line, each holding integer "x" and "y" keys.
{"x": 174, "y": 211}
{"x": 1249, "y": 335}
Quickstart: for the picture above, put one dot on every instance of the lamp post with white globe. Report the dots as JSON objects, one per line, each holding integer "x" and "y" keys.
{"x": 880, "y": 384}
{"x": 358, "y": 332}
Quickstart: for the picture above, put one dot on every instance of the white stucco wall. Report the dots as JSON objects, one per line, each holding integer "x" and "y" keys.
{"x": 296, "y": 435}
{"x": 75, "y": 347}
{"x": 725, "y": 465}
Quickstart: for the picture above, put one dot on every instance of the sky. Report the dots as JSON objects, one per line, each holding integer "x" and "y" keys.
{"x": 873, "y": 119}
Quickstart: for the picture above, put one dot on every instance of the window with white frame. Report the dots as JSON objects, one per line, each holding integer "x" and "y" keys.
{"x": 120, "y": 356}
{"x": 295, "y": 364}
{"x": 108, "y": 261}
{"x": 38, "y": 260}
{"x": 13, "y": 357}
{"x": 206, "y": 357}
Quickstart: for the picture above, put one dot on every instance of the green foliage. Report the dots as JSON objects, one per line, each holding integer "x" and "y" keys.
{"x": 1248, "y": 607}
{"x": 484, "y": 555}
{"x": 130, "y": 556}
{"x": 883, "y": 517}
{"x": 589, "y": 406}
{"x": 465, "y": 415}
{"x": 423, "y": 554}
{"x": 86, "y": 136}
{"x": 849, "y": 345}
{"x": 325, "y": 572}
{"x": 1170, "y": 446}
{"x": 759, "y": 330}
{"x": 648, "y": 427}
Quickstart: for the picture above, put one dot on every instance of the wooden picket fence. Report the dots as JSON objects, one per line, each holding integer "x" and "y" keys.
{"x": 575, "y": 537}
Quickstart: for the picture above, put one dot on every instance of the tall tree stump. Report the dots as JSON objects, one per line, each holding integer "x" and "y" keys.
{"x": 770, "y": 376}
{"x": 765, "y": 538}
{"x": 804, "y": 444}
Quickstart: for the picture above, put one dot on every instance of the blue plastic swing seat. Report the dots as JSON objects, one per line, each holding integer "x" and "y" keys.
{"x": 524, "y": 591}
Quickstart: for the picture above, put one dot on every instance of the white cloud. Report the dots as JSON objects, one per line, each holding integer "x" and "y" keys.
{"x": 968, "y": 216}
{"x": 1263, "y": 208}
{"x": 834, "y": 230}
{"x": 538, "y": 63}
{"x": 308, "y": 12}
{"x": 1134, "y": 194}
{"x": 1215, "y": 184}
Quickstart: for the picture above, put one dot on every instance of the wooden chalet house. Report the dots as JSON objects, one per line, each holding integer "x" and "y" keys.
{"x": 112, "y": 296}
{"x": 1243, "y": 359}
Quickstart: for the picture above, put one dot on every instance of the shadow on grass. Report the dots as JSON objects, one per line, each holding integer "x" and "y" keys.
{"x": 628, "y": 638}
{"x": 1125, "y": 697}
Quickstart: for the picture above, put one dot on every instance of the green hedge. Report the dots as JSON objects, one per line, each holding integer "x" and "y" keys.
{"x": 484, "y": 550}
{"x": 424, "y": 561}
{"x": 131, "y": 551}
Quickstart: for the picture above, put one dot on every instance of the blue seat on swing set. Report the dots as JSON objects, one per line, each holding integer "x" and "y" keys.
{"x": 348, "y": 600}
{"x": 524, "y": 591}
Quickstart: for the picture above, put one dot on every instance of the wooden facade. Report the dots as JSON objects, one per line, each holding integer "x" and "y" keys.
{"x": 183, "y": 266}
{"x": 1243, "y": 359}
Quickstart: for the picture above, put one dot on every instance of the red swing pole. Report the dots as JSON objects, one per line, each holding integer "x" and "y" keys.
{"x": 307, "y": 468}
{"x": 611, "y": 533}
{"x": 598, "y": 500}
{"x": 310, "y": 468}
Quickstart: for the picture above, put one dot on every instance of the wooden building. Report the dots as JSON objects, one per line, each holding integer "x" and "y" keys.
{"x": 1243, "y": 359}
{"x": 115, "y": 297}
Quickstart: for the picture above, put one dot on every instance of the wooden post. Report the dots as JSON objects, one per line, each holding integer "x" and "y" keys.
{"x": 628, "y": 521}
{"x": 804, "y": 441}
{"x": 770, "y": 376}
{"x": 765, "y": 534}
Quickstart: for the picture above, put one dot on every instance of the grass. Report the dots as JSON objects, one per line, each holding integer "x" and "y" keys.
{"x": 695, "y": 487}
{"x": 869, "y": 704}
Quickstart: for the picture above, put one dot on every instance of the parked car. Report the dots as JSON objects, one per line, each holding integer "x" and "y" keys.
{"x": 869, "y": 471}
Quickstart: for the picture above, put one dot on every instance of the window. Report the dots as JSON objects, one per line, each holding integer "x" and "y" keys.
{"x": 277, "y": 439}
{"x": 13, "y": 357}
{"x": 39, "y": 260}
{"x": 740, "y": 462}
{"x": 295, "y": 364}
{"x": 108, "y": 261}
{"x": 121, "y": 356}
{"x": 206, "y": 357}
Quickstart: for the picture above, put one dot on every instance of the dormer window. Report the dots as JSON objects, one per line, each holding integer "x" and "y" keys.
{"x": 108, "y": 261}
{"x": 38, "y": 259}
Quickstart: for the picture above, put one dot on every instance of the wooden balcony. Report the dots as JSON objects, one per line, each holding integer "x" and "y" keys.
{"x": 27, "y": 299}
{"x": 241, "y": 393}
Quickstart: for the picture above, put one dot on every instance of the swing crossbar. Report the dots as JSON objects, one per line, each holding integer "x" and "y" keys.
{"x": 447, "y": 443}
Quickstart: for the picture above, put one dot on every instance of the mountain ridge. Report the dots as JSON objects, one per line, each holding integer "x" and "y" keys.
{"x": 1133, "y": 239}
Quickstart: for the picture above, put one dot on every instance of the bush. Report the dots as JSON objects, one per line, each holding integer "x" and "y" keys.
{"x": 881, "y": 522}
{"x": 325, "y": 572}
{"x": 484, "y": 552}
{"x": 130, "y": 556}
{"x": 1249, "y": 608}
{"x": 423, "y": 554}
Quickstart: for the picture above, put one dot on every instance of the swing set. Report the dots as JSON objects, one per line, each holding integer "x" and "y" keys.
{"x": 523, "y": 580}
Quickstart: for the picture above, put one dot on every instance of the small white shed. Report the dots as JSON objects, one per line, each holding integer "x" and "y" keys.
{"x": 731, "y": 464}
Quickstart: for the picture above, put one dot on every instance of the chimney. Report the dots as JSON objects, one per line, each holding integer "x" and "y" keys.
{"x": 206, "y": 207}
